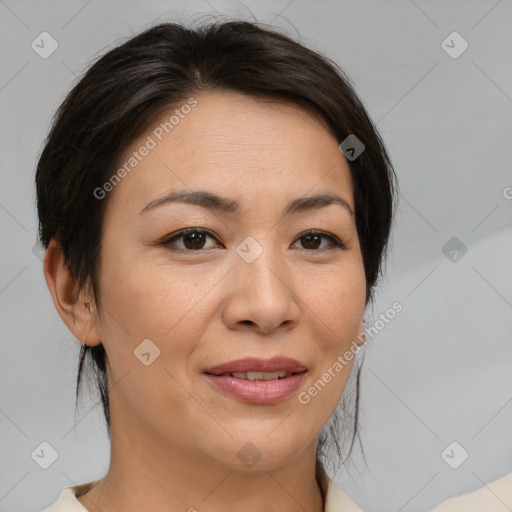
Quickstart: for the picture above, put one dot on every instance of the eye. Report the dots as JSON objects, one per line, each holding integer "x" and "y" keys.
{"x": 192, "y": 239}
{"x": 312, "y": 240}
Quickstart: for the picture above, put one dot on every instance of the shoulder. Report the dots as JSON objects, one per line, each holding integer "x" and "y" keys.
{"x": 67, "y": 501}
{"x": 337, "y": 500}
{"x": 494, "y": 496}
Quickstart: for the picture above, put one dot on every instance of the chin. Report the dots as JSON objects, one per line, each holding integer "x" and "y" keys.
{"x": 263, "y": 451}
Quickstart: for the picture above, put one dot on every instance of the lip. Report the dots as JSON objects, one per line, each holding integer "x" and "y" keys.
{"x": 259, "y": 391}
{"x": 253, "y": 364}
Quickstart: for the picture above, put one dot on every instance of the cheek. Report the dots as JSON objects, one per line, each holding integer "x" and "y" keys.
{"x": 336, "y": 310}
{"x": 336, "y": 303}
{"x": 156, "y": 302}
{"x": 148, "y": 297}
{"x": 143, "y": 303}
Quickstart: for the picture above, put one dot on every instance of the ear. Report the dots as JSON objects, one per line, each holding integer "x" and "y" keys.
{"x": 76, "y": 309}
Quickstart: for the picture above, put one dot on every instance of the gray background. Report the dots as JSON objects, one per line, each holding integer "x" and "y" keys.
{"x": 439, "y": 372}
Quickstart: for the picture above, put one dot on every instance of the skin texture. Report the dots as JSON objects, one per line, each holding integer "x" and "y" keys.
{"x": 175, "y": 438}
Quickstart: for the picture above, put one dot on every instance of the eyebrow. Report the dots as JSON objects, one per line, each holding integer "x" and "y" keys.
{"x": 221, "y": 204}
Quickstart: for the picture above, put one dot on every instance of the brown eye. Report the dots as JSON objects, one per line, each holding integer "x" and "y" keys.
{"x": 190, "y": 239}
{"x": 194, "y": 240}
{"x": 312, "y": 240}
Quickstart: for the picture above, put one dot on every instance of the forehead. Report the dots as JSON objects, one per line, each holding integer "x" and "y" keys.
{"x": 238, "y": 146}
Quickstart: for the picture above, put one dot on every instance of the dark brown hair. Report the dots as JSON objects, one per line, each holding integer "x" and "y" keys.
{"x": 123, "y": 91}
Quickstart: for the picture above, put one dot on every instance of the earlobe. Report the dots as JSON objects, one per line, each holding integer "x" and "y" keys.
{"x": 76, "y": 308}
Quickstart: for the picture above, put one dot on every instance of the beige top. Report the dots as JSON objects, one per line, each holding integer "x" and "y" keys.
{"x": 336, "y": 499}
{"x": 495, "y": 496}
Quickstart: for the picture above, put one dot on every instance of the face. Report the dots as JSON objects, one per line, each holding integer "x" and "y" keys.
{"x": 250, "y": 280}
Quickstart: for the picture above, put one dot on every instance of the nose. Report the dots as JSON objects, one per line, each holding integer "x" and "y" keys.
{"x": 261, "y": 296}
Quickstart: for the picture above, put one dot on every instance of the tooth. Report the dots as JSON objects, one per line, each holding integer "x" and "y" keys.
{"x": 259, "y": 375}
{"x": 254, "y": 375}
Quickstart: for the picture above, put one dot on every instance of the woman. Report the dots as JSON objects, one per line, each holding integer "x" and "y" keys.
{"x": 216, "y": 205}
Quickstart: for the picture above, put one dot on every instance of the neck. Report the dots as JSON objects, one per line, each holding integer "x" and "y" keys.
{"x": 146, "y": 474}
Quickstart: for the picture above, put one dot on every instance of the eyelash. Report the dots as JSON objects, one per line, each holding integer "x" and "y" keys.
{"x": 335, "y": 242}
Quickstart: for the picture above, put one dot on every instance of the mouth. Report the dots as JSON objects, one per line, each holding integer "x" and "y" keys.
{"x": 278, "y": 375}
{"x": 259, "y": 369}
{"x": 257, "y": 381}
